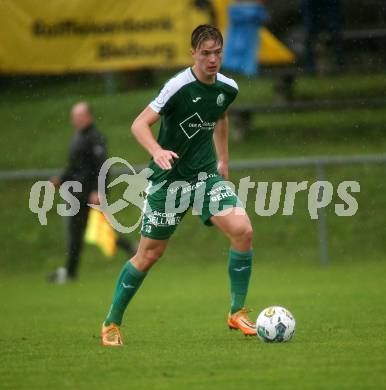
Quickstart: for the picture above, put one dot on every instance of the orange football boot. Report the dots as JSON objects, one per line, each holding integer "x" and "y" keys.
{"x": 111, "y": 336}
{"x": 240, "y": 320}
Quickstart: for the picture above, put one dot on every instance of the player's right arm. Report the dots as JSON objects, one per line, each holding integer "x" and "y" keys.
{"x": 141, "y": 129}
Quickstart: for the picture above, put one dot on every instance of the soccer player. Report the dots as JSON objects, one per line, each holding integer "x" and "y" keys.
{"x": 192, "y": 147}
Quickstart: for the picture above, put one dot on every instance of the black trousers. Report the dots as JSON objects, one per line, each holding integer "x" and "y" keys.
{"x": 76, "y": 229}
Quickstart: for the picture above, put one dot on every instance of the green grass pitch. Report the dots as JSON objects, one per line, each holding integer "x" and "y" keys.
{"x": 176, "y": 336}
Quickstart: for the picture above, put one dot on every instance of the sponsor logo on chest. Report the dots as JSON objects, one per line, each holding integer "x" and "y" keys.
{"x": 193, "y": 124}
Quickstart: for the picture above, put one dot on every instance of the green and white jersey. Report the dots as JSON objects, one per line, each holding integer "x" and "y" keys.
{"x": 189, "y": 111}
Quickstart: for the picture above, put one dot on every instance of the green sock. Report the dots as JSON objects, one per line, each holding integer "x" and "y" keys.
{"x": 239, "y": 270}
{"x": 128, "y": 283}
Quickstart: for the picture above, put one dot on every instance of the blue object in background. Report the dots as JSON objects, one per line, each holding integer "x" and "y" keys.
{"x": 242, "y": 40}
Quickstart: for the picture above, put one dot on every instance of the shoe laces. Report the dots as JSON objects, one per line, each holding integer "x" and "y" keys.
{"x": 244, "y": 314}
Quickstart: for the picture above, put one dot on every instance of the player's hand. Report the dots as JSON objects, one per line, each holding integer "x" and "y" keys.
{"x": 164, "y": 158}
{"x": 222, "y": 168}
{"x": 93, "y": 198}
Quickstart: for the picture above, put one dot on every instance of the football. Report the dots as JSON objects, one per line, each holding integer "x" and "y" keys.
{"x": 275, "y": 324}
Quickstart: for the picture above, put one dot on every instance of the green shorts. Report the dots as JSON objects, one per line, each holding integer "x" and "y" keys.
{"x": 164, "y": 208}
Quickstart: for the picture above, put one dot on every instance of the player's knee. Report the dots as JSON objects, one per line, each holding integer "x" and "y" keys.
{"x": 152, "y": 255}
{"x": 248, "y": 234}
{"x": 243, "y": 233}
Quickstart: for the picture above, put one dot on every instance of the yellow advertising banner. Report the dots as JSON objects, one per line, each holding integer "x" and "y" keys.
{"x": 59, "y": 36}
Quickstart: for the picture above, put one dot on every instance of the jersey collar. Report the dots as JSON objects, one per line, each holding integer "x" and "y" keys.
{"x": 200, "y": 82}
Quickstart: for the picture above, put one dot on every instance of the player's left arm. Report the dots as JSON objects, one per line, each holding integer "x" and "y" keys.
{"x": 220, "y": 136}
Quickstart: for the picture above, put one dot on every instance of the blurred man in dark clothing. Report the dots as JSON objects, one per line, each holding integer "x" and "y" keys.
{"x": 318, "y": 16}
{"x": 87, "y": 155}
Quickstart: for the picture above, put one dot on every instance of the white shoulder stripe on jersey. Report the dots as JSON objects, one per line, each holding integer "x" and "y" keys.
{"x": 170, "y": 88}
{"x": 227, "y": 80}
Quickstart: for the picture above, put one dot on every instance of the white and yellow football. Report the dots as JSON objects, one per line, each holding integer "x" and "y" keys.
{"x": 275, "y": 324}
